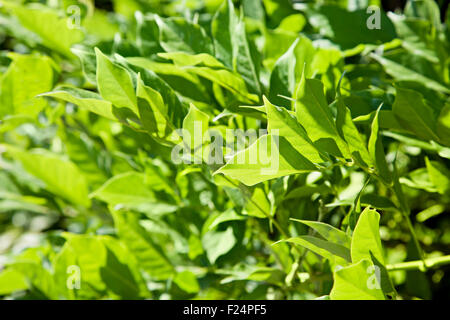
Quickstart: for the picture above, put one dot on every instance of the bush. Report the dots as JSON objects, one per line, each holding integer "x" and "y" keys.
{"x": 237, "y": 150}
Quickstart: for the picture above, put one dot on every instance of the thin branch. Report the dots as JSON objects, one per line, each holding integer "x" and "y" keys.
{"x": 419, "y": 264}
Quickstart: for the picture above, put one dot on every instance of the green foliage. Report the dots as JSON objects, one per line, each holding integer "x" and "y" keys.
{"x": 342, "y": 193}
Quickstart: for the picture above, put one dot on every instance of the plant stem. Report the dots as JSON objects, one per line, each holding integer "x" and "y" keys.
{"x": 419, "y": 264}
{"x": 268, "y": 215}
{"x": 271, "y": 219}
{"x": 405, "y": 212}
{"x": 415, "y": 239}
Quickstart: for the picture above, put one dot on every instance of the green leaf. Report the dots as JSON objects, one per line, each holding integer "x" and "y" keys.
{"x": 208, "y": 67}
{"x": 430, "y": 212}
{"x": 277, "y": 42}
{"x": 31, "y": 264}
{"x": 337, "y": 23}
{"x": 418, "y": 179}
{"x": 181, "y": 80}
{"x": 229, "y": 215}
{"x": 293, "y": 22}
{"x": 13, "y": 202}
{"x": 187, "y": 282}
{"x": 376, "y": 150}
{"x": 366, "y": 240}
{"x": 115, "y": 83}
{"x": 307, "y": 191}
{"x": 282, "y": 123}
{"x": 253, "y": 273}
{"x": 254, "y": 9}
{"x": 61, "y": 177}
{"x": 19, "y": 85}
{"x": 424, "y": 9}
{"x": 336, "y": 253}
{"x": 330, "y": 233}
{"x": 118, "y": 275}
{"x": 222, "y": 27}
{"x": 133, "y": 190}
{"x": 443, "y": 125}
{"x": 376, "y": 201}
{"x": 98, "y": 23}
{"x": 439, "y": 176}
{"x": 54, "y": 32}
{"x": 147, "y": 35}
{"x": 232, "y": 46}
{"x": 401, "y": 73}
{"x": 315, "y": 116}
{"x": 101, "y": 263}
{"x": 276, "y": 10}
{"x": 88, "y": 61}
{"x": 366, "y": 245}
{"x": 258, "y": 205}
{"x": 149, "y": 255}
{"x": 12, "y": 281}
{"x": 154, "y": 112}
{"x": 414, "y": 115}
{"x": 196, "y": 124}
{"x": 218, "y": 243}
{"x": 351, "y": 135}
{"x": 9, "y": 123}
{"x": 414, "y": 142}
{"x": 357, "y": 281}
{"x": 177, "y": 34}
{"x": 266, "y": 159}
{"x": 161, "y": 111}
{"x": 195, "y": 247}
{"x": 126, "y": 188}
{"x": 245, "y": 58}
{"x": 300, "y": 56}
{"x": 282, "y": 78}
{"x": 85, "y": 99}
